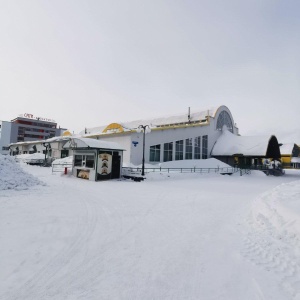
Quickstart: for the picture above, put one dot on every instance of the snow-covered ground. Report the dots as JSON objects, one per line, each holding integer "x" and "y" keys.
{"x": 172, "y": 236}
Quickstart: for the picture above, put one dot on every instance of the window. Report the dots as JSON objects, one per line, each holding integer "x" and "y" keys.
{"x": 179, "y": 150}
{"x": 168, "y": 151}
{"x": 64, "y": 153}
{"x": 78, "y": 161}
{"x": 224, "y": 119}
{"x": 197, "y": 147}
{"x": 188, "y": 149}
{"x": 204, "y": 146}
{"x": 87, "y": 161}
{"x": 155, "y": 153}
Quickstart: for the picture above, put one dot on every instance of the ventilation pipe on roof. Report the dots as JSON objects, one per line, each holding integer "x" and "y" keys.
{"x": 189, "y": 114}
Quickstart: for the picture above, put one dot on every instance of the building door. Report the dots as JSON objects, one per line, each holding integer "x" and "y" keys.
{"x": 116, "y": 165}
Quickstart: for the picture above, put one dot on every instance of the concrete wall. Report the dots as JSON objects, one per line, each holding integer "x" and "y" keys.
{"x": 124, "y": 140}
{"x": 5, "y": 134}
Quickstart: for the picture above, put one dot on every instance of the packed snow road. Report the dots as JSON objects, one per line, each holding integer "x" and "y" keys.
{"x": 178, "y": 237}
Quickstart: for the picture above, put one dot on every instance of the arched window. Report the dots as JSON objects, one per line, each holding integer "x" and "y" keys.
{"x": 224, "y": 119}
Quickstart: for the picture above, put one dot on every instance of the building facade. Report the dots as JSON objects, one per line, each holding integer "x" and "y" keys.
{"x": 181, "y": 137}
{"x": 290, "y": 152}
{"x": 27, "y": 128}
{"x": 5, "y": 136}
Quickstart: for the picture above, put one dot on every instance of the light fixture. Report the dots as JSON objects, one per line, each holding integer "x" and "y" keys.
{"x": 145, "y": 129}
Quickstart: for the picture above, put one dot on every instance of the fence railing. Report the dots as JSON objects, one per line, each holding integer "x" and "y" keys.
{"x": 243, "y": 170}
{"x": 138, "y": 171}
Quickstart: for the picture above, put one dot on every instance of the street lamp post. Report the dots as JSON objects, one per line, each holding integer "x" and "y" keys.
{"x": 145, "y": 129}
{"x": 46, "y": 152}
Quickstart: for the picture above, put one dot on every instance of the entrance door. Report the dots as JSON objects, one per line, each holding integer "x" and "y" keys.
{"x": 116, "y": 165}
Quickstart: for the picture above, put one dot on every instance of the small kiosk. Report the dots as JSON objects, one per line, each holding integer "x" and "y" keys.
{"x": 95, "y": 160}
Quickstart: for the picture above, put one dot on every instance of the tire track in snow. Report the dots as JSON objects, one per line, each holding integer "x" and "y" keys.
{"x": 80, "y": 276}
{"x": 271, "y": 242}
{"x": 37, "y": 286}
{"x": 68, "y": 272}
{"x": 84, "y": 277}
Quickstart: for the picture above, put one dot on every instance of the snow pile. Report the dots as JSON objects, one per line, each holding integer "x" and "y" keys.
{"x": 63, "y": 161}
{"x": 273, "y": 239}
{"x": 195, "y": 163}
{"x": 177, "y": 169}
{"x": 191, "y": 163}
{"x": 34, "y": 157}
{"x": 21, "y": 157}
{"x": 13, "y": 177}
{"x": 273, "y": 211}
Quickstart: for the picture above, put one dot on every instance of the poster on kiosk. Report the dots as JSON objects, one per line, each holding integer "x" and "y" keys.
{"x": 104, "y": 166}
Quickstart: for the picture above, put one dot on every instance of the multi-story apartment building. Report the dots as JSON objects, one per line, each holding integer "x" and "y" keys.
{"x": 27, "y": 127}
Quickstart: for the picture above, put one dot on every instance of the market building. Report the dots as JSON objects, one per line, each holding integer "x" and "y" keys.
{"x": 181, "y": 137}
{"x": 187, "y": 136}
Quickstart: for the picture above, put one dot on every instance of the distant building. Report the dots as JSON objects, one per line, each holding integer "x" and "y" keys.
{"x": 26, "y": 128}
{"x": 290, "y": 155}
{"x": 5, "y": 136}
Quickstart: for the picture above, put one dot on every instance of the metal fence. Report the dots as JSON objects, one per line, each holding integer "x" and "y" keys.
{"x": 138, "y": 171}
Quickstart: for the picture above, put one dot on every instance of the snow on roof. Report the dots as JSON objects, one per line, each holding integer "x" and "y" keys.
{"x": 229, "y": 144}
{"x": 62, "y": 161}
{"x": 50, "y": 140}
{"x": 57, "y": 139}
{"x": 92, "y": 143}
{"x": 287, "y": 148}
{"x": 27, "y": 143}
{"x": 157, "y": 122}
{"x": 33, "y": 156}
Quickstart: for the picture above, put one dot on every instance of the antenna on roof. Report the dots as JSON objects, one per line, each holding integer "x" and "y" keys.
{"x": 189, "y": 114}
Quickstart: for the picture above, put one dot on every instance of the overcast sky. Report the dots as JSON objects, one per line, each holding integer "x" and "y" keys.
{"x": 91, "y": 62}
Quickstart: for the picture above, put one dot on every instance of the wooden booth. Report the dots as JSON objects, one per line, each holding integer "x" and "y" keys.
{"x": 95, "y": 160}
